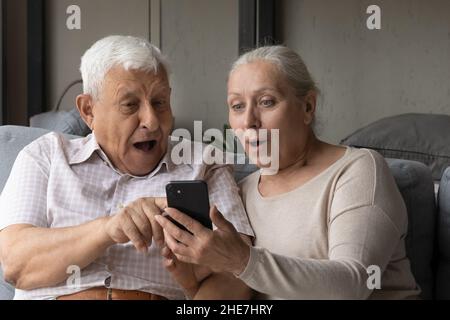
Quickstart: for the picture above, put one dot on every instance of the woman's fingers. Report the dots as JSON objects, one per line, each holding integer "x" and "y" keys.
{"x": 170, "y": 228}
{"x": 175, "y": 246}
{"x": 190, "y": 224}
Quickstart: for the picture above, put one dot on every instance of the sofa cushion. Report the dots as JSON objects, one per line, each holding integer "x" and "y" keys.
{"x": 6, "y": 290}
{"x": 418, "y": 137}
{"x": 243, "y": 170}
{"x": 12, "y": 140}
{"x": 68, "y": 122}
{"x": 443, "y": 270}
{"x": 415, "y": 183}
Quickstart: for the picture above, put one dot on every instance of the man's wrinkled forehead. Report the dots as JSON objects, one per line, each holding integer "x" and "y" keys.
{"x": 123, "y": 81}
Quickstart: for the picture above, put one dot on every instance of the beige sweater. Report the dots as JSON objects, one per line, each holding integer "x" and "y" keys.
{"x": 318, "y": 241}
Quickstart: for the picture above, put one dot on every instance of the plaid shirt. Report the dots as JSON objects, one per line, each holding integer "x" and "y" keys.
{"x": 57, "y": 183}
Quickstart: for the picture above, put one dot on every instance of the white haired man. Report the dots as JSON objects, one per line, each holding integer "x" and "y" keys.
{"x": 89, "y": 204}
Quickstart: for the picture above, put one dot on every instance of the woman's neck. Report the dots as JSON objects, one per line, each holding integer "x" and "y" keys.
{"x": 308, "y": 152}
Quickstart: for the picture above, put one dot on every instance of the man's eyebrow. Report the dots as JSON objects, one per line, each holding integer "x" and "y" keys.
{"x": 161, "y": 89}
{"x": 126, "y": 94}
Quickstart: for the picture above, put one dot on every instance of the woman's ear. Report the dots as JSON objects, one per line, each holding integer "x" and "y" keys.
{"x": 85, "y": 108}
{"x": 310, "y": 107}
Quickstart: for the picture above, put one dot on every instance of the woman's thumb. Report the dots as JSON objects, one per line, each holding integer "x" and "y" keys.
{"x": 219, "y": 220}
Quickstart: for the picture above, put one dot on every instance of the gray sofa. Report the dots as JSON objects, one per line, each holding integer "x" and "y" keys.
{"x": 427, "y": 243}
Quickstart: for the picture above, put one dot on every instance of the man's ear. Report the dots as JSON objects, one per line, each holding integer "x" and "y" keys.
{"x": 310, "y": 107}
{"x": 85, "y": 108}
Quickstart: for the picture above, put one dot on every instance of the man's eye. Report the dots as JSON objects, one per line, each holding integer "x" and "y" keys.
{"x": 158, "y": 103}
{"x": 131, "y": 104}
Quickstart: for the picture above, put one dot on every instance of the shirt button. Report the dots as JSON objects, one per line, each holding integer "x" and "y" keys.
{"x": 107, "y": 282}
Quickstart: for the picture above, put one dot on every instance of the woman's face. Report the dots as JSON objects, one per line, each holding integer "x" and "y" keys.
{"x": 260, "y": 97}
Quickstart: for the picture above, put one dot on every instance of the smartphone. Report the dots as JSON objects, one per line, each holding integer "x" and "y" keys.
{"x": 191, "y": 198}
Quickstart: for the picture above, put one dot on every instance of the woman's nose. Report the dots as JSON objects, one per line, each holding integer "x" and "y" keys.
{"x": 252, "y": 120}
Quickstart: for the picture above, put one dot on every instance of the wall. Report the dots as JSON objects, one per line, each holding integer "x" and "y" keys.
{"x": 200, "y": 38}
{"x": 64, "y": 47}
{"x": 366, "y": 75}
{"x": 16, "y": 68}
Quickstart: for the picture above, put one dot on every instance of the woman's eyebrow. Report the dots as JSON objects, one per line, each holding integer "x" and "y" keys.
{"x": 266, "y": 89}
{"x": 257, "y": 91}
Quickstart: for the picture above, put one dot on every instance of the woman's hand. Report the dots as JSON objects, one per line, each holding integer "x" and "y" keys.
{"x": 222, "y": 250}
{"x": 188, "y": 276}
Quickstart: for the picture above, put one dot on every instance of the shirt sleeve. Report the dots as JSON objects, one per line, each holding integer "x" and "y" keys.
{"x": 224, "y": 194}
{"x": 24, "y": 197}
{"x": 361, "y": 234}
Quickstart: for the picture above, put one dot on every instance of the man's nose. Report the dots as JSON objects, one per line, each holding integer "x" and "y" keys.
{"x": 148, "y": 117}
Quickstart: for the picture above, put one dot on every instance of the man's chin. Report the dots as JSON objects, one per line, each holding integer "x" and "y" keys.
{"x": 143, "y": 163}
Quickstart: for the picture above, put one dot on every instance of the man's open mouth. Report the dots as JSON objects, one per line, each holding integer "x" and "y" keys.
{"x": 145, "y": 146}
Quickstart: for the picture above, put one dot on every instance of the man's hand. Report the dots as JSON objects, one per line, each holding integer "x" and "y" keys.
{"x": 136, "y": 223}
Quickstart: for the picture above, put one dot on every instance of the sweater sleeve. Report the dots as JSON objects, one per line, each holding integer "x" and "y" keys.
{"x": 360, "y": 234}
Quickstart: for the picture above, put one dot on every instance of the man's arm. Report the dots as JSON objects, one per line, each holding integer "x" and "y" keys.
{"x": 34, "y": 257}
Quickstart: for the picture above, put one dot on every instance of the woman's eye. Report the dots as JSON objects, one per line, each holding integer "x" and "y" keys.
{"x": 237, "y": 107}
{"x": 267, "y": 103}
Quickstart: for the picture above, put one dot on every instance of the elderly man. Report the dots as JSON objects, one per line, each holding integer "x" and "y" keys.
{"x": 89, "y": 204}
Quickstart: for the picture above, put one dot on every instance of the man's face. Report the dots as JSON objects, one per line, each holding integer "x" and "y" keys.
{"x": 132, "y": 119}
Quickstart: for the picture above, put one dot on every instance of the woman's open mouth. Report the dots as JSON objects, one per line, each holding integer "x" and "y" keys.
{"x": 256, "y": 144}
{"x": 145, "y": 146}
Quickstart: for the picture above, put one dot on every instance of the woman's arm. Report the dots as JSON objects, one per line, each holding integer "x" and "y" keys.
{"x": 359, "y": 238}
{"x": 355, "y": 244}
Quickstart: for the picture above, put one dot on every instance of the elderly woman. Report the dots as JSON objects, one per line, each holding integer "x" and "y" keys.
{"x": 326, "y": 225}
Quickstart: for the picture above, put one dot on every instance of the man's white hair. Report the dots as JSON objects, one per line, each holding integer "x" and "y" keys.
{"x": 129, "y": 52}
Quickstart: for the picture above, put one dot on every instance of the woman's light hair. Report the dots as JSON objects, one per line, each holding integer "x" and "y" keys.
{"x": 288, "y": 62}
{"x": 129, "y": 52}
